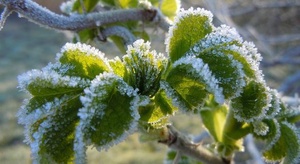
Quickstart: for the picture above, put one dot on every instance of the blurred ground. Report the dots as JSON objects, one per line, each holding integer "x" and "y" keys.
{"x": 25, "y": 46}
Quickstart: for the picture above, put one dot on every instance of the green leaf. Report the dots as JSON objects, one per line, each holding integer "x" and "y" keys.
{"x": 233, "y": 133}
{"x": 192, "y": 92}
{"x": 46, "y": 85}
{"x": 274, "y": 108}
{"x": 253, "y": 102}
{"x": 189, "y": 27}
{"x": 170, "y": 8}
{"x": 110, "y": 112}
{"x": 50, "y": 128}
{"x": 117, "y": 66}
{"x": 85, "y": 36}
{"x": 55, "y": 134}
{"x": 213, "y": 117}
{"x": 226, "y": 69}
{"x": 287, "y": 147}
{"x": 89, "y": 5}
{"x": 119, "y": 42}
{"x": 50, "y": 116}
{"x": 159, "y": 108}
{"x": 82, "y": 60}
{"x": 109, "y": 2}
{"x": 272, "y": 135}
{"x": 143, "y": 68}
{"x": 125, "y": 4}
{"x": 171, "y": 155}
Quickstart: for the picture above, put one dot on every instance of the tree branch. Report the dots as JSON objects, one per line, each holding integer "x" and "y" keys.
{"x": 120, "y": 31}
{"x": 181, "y": 143}
{"x": 75, "y": 22}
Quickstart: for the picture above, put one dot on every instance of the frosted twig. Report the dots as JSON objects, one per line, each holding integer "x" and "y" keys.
{"x": 6, "y": 12}
{"x": 179, "y": 142}
{"x": 75, "y": 22}
{"x": 290, "y": 81}
{"x": 119, "y": 31}
{"x": 254, "y": 152}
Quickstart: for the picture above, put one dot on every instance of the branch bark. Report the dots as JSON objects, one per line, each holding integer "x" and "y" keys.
{"x": 185, "y": 146}
{"x": 76, "y": 22}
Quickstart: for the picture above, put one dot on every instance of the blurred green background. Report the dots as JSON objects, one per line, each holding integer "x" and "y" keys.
{"x": 25, "y": 46}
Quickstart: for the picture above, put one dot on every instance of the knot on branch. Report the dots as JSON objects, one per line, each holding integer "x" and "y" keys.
{"x": 149, "y": 14}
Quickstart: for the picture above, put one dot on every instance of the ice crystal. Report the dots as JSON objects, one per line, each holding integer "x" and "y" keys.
{"x": 87, "y": 49}
{"x": 260, "y": 128}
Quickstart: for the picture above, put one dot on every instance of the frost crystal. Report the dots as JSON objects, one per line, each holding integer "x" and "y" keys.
{"x": 67, "y": 7}
{"x": 87, "y": 49}
{"x": 275, "y": 138}
{"x": 260, "y": 128}
{"x": 221, "y": 35}
{"x": 203, "y": 74}
{"x": 48, "y": 78}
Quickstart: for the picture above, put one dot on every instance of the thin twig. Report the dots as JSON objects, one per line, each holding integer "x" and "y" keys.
{"x": 290, "y": 81}
{"x": 43, "y": 16}
{"x": 122, "y": 32}
{"x": 252, "y": 149}
{"x": 6, "y": 12}
{"x": 180, "y": 142}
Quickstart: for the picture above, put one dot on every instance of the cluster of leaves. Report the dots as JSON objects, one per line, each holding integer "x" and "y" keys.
{"x": 168, "y": 9}
{"x": 85, "y": 99}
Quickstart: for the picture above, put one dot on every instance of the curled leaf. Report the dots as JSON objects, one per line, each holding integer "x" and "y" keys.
{"x": 143, "y": 68}
{"x": 287, "y": 147}
{"x": 253, "y": 102}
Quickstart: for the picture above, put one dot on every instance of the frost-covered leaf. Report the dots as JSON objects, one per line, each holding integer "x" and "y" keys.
{"x": 171, "y": 156}
{"x": 228, "y": 41}
{"x": 272, "y": 135}
{"x": 260, "y": 128}
{"x": 287, "y": 147}
{"x": 50, "y": 116}
{"x": 170, "y": 8}
{"x": 196, "y": 70}
{"x": 143, "y": 68}
{"x": 189, "y": 27}
{"x": 228, "y": 71}
{"x": 50, "y": 129}
{"x": 55, "y": 135}
{"x": 253, "y": 102}
{"x": 82, "y": 60}
{"x": 191, "y": 80}
{"x": 290, "y": 114}
{"x": 117, "y": 66}
{"x": 109, "y": 115}
{"x": 274, "y": 108}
